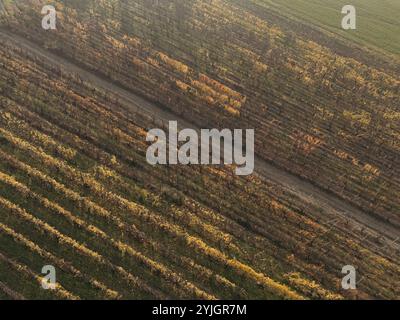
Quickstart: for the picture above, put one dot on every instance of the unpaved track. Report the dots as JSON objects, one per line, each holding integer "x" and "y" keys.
{"x": 331, "y": 205}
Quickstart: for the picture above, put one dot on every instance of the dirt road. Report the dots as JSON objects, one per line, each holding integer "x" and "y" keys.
{"x": 332, "y": 206}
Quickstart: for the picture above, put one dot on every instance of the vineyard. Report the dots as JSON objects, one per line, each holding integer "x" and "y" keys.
{"x": 77, "y": 193}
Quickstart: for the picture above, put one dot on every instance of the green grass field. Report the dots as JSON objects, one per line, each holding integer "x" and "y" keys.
{"x": 378, "y": 23}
